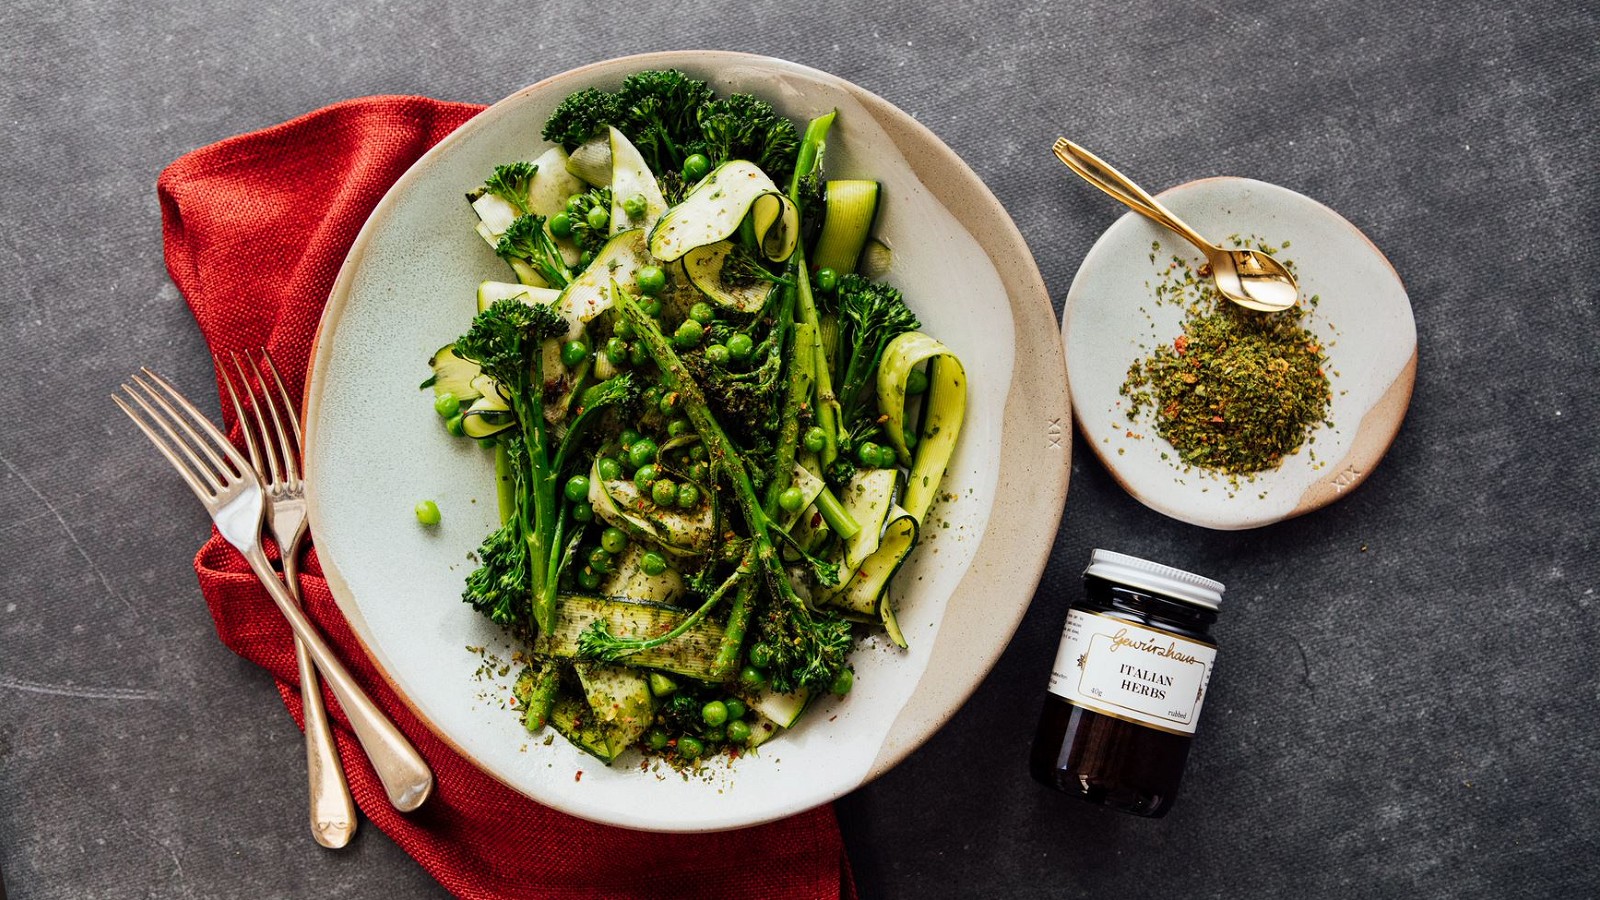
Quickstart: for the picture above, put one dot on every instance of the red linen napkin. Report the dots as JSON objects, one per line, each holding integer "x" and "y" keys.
{"x": 256, "y": 228}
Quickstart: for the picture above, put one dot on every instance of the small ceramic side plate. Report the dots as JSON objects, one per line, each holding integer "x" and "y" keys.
{"x": 1359, "y": 312}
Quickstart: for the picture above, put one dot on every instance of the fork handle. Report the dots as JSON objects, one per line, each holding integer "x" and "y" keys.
{"x": 405, "y": 774}
{"x": 1102, "y": 175}
{"x": 333, "y": 812}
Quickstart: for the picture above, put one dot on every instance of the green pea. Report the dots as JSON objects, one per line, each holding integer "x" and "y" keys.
{"x": 669, "y": 401}
{"x": 585, "y": 258}
{"x": 738, "y": 733}
{"x": 792, "y": 499}
{"x": 628, "y": 437}
{"x": 616, "y": 351}
{"x": 638, "y": 356}
{"x": 577, "y": 488}
{"x": 697, "y": 453}
{"x": 688, "y": 335}
{"x": 644, "y": 477}
{"x": 690, "y": 748}
{"x": 573, "y": 353}
{"x": 653, "y": 563}
{"x": 613, "y": 540}
{"x": 827, "y": 280}
{"x": 702, "y": 312}
{"x": 760, "y": 655}
{"x": 642, "y": 452}
{"x": 589, "y": 579}
{"x": 867, "y": 454}
{"x": 718, "y": 354}
{"x": 714, "y": 713}
{"x": 583, "y": 512}
{"x": 714, "y": 735}
{"x": 634, "y": 206}
{"x": 910, "y": 435}
{"x": 609, "y": 468}
{"x": 700, "y": 471}
{"x": 678, "y": 427}
{"x": 428, "y": 512}
{"x": 573, "y": 201}
{"x": 652, "y": 308}
{"x": 599, "y": 217}
{"x": 651, "y": 280}
{"x": 664, "y": 492}
{"x": 600, "y": 560}
{"x": 843, "y": 682}
{"x": 696, "y": 167}
{"x": 753, "y": 678}
{"x": 455, "y": 425}
{"x": 688, "y": 496}
{"x": 736, "y": 709}
{"x": 887, "y": 458}
{"x": 740, "y": 346}
{"x": 446, "y": 405}
{"x": 623, "y": 329}
{"x": 657, "y": 739}
{"x": 816, "y": 439}
{"x": 561, "y": 224}
{"x": 916, "y": 382}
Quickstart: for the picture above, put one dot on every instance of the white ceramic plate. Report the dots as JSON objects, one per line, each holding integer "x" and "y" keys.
{"x": 374, "y": 448}
{"x": 1362, "y": 317}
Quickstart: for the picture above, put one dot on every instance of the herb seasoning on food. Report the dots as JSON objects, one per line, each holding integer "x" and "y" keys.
{"x": 1238, "y": 390}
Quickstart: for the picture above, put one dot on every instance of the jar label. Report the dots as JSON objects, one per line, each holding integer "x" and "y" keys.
{"x": 1132, "y": 672}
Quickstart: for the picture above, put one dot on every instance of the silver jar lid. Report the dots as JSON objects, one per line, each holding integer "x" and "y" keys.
{"x": 1156, "y": 578}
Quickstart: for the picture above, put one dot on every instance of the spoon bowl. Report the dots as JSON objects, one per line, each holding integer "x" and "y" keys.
{"x": 1252, "y": 280}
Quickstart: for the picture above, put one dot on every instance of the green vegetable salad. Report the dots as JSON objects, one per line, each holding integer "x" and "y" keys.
{"x": 715, "y": 432}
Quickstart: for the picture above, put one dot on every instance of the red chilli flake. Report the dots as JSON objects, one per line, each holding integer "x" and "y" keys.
{"x": 579, "y": 776}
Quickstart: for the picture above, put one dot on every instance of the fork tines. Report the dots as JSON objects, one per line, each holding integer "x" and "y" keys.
{"x": 277, "y": 460}
{"x": 215, "y": 467}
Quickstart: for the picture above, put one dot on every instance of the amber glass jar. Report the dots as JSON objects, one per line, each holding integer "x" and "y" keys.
{"x": 1127, "y": 685}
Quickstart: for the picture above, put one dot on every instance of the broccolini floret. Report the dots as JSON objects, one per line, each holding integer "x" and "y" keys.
{"x": 660, "y": 116}
{"x": 742, "y": 126}
{"x": 871, "y": 314}
{"x": 581, "y": 116}
{"x": 511, "y": 183}
{"x": 588, "y": 238}
{"x": 528, "y": 241}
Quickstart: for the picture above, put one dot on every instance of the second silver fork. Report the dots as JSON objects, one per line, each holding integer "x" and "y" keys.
{"x": 277, "y": 460}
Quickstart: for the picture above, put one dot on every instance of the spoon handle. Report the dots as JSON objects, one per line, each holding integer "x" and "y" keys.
{"x": 1099, "y": 173}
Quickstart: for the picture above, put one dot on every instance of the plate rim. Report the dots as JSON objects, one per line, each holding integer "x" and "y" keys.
{"x": 1029, "y": 302}
{"x": 1377, "y": 431}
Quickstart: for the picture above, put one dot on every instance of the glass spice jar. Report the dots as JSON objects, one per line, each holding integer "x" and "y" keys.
{"x": 1128, "y": 683}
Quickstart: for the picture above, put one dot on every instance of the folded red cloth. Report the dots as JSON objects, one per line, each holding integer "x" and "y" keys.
{"x": 256, "y": 228}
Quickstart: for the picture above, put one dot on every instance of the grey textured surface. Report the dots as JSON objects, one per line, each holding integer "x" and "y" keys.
{"x": 1407, "y": 694}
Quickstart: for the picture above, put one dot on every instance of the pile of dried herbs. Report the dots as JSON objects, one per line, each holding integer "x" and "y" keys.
{"x": 1238, "y": 390}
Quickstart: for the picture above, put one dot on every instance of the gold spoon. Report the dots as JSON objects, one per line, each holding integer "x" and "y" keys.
{"x": 1252, "y": 280}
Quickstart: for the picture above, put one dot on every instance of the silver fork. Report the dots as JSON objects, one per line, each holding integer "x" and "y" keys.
{"x": 231, "y": 492}
{"x": 333, "y": 812}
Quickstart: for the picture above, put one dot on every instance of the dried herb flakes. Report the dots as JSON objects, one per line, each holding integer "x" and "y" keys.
{"x": 1238, "y": 390}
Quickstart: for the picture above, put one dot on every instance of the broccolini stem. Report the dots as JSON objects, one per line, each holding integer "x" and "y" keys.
{"x": 793, "y": 402}
{"x": 732, "y": 647}
{"x": 597, "y": 641}
{"x": 543, "y": 537}
{"x": 542, "y": 695}
{"x": 826, "y": 406}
